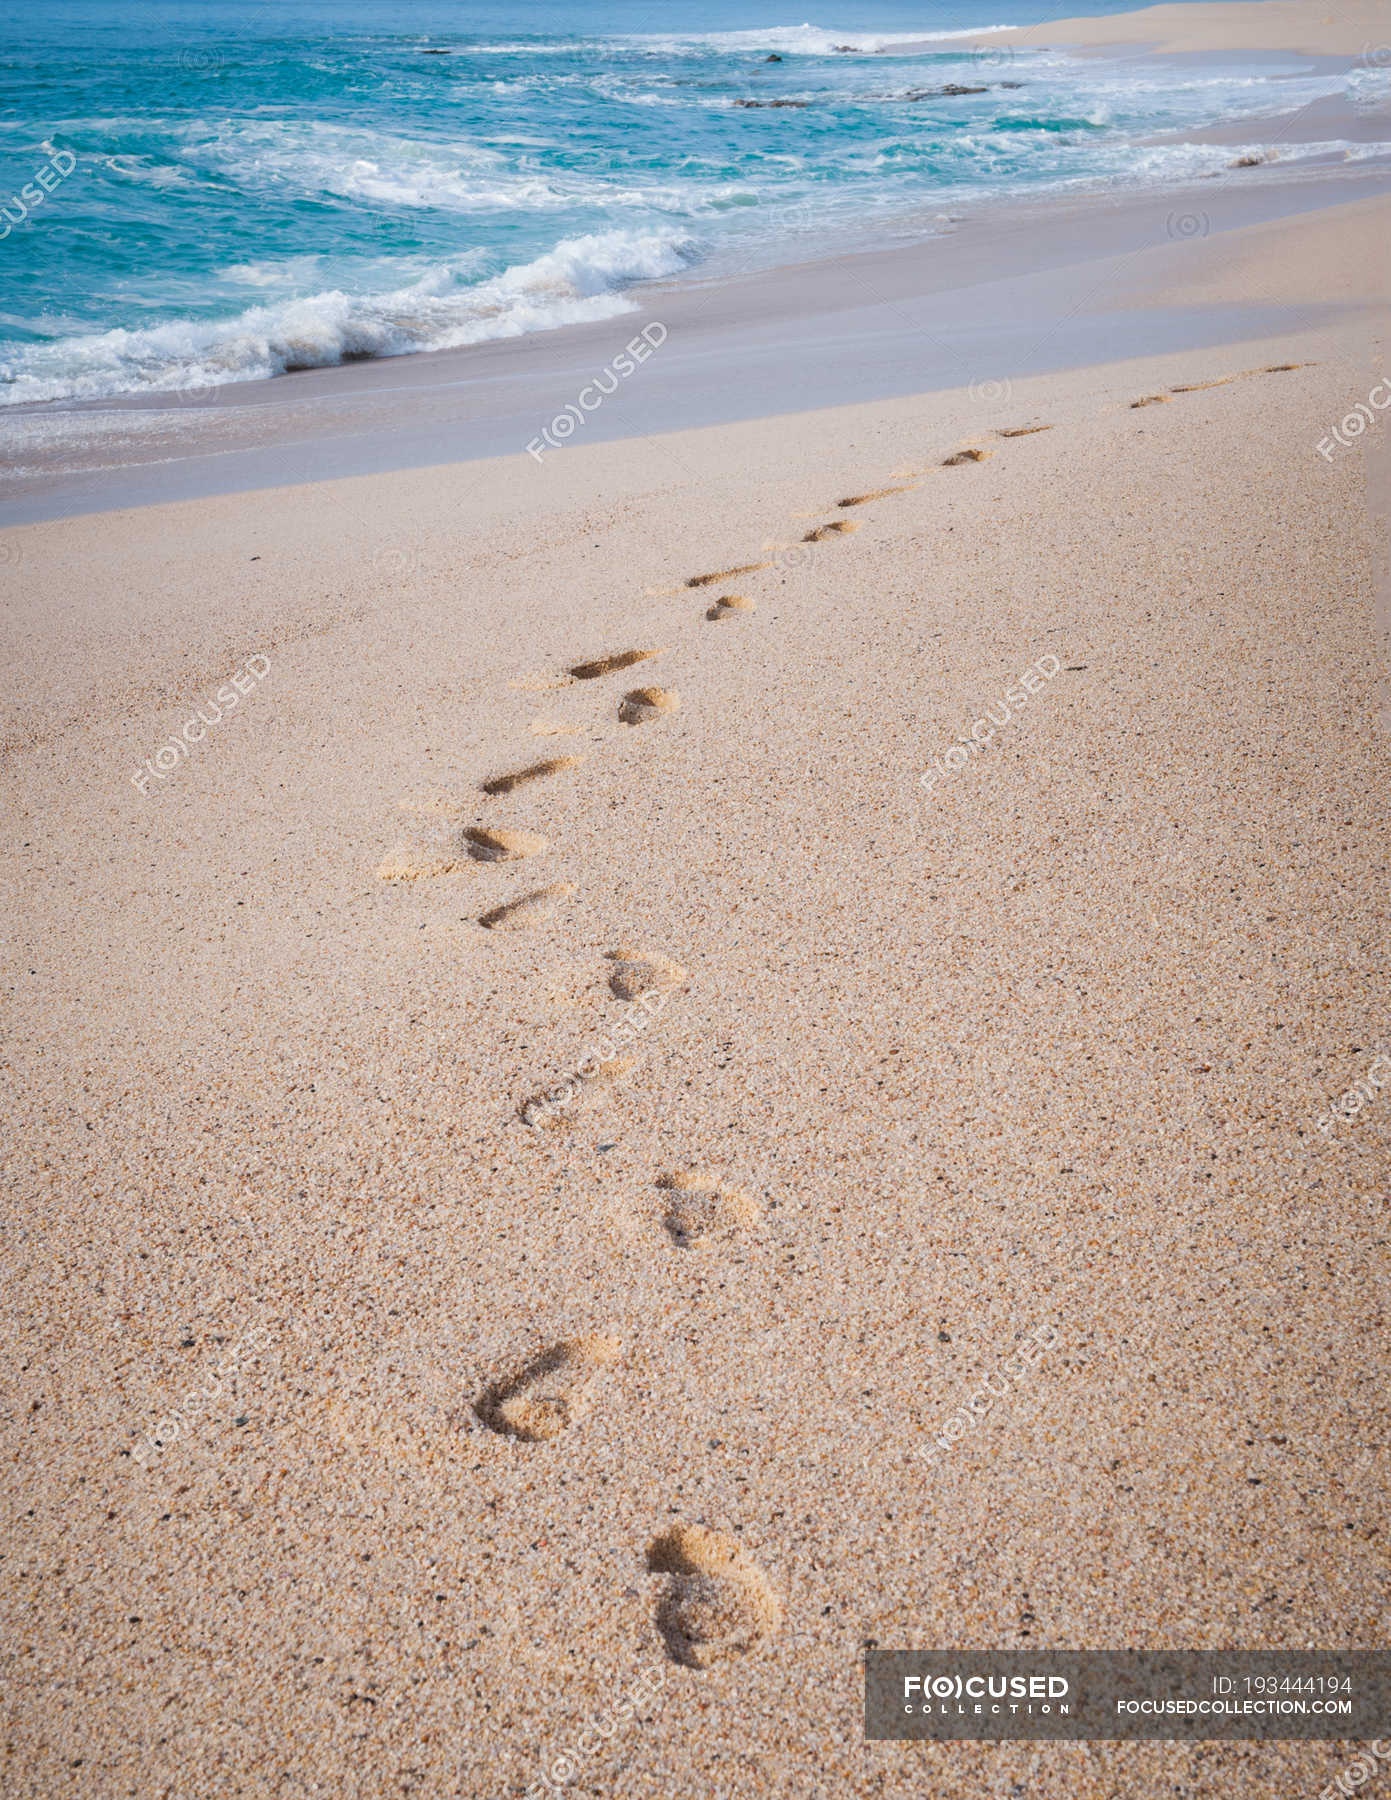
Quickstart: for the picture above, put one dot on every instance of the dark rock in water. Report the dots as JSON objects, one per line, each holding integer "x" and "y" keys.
{"x": 772, "y": 59}
{"x": 798, "y": 105}
{"x": 845, "y": 49}
{"x": 1011, "y": 84}
{"x": 434, "y": 53}
{"x": 951, "y": 88}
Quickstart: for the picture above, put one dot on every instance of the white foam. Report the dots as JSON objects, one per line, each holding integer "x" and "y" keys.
{"x": 581, "y": 279}
{"x": 316, "y": 159}
{"x": 804, "y": 40}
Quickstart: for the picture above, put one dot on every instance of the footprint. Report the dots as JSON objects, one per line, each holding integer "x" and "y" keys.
{"x": 639, "y": 972}
{"x": 641, "y": 704}
{"x": 607, "y": 665}
{"x": 698, "y": 581}
{"x": 527, "y": 909}
{"x": 432, "y": 805}
{"x": 580, "y": 1093}
{"x": 728, "y": 605}
{"x": 502, "y": 846}
{"x": 878, "y": 494}
{"x": 965, "y": 456}
{"x": 836, "y": 528}
{"x": 1280, "y": 368}
{"x": 504, "y": 784}
{"x": 549, "y": 1393}
{"x": 1022, "y": 430}
{"x": 1196, "y": 387}
{"x": 718, "y": 1603}
{"x": 1150, "y": 400}
{"x": 417, "y": 865}
{"x": 702, "y": 1206}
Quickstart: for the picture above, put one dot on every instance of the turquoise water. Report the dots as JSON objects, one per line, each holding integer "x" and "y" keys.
{"x": 227, "y": 189}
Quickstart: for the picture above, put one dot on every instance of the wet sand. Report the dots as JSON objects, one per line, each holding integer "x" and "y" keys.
{"x": 1006, "y": 292}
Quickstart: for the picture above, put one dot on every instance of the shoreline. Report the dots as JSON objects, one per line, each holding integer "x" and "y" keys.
{"x": 959, "y": 309}
{"x": 881, "y": 322}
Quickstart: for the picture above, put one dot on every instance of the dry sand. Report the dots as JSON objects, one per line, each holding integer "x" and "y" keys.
{"x": 1359, "y": 28}
{"x": 473, "y": 1428}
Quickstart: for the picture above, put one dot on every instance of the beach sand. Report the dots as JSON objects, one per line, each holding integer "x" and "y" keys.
{"x": 1358, "y": 28}
{"x": 438, "y": 1371}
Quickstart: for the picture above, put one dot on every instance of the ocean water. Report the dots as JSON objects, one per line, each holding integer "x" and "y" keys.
{"x": 218, "y": 190}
